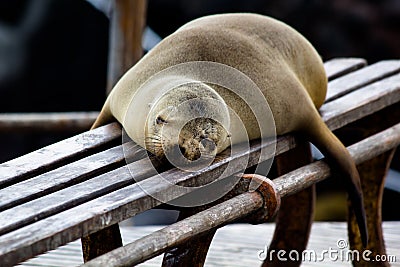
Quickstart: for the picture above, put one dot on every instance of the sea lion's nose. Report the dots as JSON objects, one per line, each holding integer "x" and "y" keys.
{"x": 191, "y": 155}
{"x": 182, "y": 149}
{"x": 208, "y": 144}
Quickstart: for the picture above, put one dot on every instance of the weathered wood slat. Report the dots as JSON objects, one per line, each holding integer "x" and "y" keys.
{"x": 40, "y": 122}
{"x": 242, "y": 205}
{"x": 72, "y": 196}
{"x": 361, "y": 102}
{"x": 360, "y": 78}
{"x": 79, "y": 193}
{"x": 93, "y": 215}
{"x": 116, "y": 206}
{"x": 57, "y": 154}
{"x": 340, "y": 66}
{"x": 232, "y": 242}
{"x": 60, "y": 178}
{"x": 362, "y": 151}
{"x": 177, "y": 233}
{"x": 75, "y": 194}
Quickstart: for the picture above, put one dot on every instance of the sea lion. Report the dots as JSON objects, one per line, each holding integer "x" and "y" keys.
{"x": 280, "y": 61}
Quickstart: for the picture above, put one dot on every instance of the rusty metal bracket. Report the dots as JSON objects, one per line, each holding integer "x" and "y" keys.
{"x": 270, "y": 195}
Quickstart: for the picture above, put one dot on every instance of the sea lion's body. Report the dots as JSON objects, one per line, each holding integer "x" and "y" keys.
{"x": 273, "y": 55}
{"x": 281, "y": 62}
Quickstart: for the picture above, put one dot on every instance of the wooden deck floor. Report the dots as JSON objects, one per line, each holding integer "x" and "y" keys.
{"x": 235, "y": 245}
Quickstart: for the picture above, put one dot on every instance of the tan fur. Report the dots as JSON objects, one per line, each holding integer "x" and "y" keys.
{"x": 278, "y": 59}
{"x": 196, "y": 133}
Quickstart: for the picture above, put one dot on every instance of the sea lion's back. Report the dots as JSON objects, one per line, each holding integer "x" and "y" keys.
{"x": 267, "y": 39}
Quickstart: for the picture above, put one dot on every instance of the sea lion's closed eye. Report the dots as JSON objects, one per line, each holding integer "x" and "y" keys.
{"x": 161, "y": 120}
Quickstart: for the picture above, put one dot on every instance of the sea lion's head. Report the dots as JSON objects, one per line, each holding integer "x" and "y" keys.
{"x": 191, "y": 120}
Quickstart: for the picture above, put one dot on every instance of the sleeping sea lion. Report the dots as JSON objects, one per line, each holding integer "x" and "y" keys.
{"x": 281, "y": 62}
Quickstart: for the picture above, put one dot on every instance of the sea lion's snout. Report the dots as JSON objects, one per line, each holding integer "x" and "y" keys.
{"x": 200, "y": 138}
{"x": 206, "y": 147}
{"x": 188, "y": 125}
{"x": 207, "y": 144}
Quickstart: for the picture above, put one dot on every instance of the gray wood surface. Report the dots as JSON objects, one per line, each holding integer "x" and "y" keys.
{"x": 40, "y": 122}
{"x": 89, "y": 194}
{"x": 340, "y": 66}
{"x": 232, "y": 242}
{"x": 362, "y": 102}
{"x": 60, "y": 178}
{"x": 364, "y": 150}
{"x": 240, "y": 206}
{"x": 362, "y": 77}
{"x": 57, "y": 154}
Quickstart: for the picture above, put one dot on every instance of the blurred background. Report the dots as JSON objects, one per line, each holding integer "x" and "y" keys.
{"x": 54, "y": 53}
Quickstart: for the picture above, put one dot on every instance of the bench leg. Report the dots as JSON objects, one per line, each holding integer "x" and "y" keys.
{"x": 101, "y": 242}
{"x": 192, "y": 253}
{"x": 293, "y": 223}
{"x": 373, "y": 173}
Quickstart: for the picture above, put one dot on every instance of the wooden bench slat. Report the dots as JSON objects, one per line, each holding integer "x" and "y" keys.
{"x": 361, "y": 102}
{"x": 39, "y": 122}
{"x": 239, "y": 206}
{"x": 60, "y": 178}
{"x": 121, "y": 204}
{"x": 100, "y": 185}
{"x": 157, "y": 242}
{"x": 57, "y": 154}
{"x": 51, "y": 232}
{"x": 108, "y": 209}
{"x": 72, "y": 196}
{"x": 362, "y": 151}
{"x": 341, "y": 66}
{"x": 360, "y": 78}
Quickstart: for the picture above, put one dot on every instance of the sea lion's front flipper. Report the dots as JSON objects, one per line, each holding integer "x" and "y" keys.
{"x": 104, "y": 117}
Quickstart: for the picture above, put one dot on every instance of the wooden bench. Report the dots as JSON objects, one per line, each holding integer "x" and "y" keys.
{"x": 82, "y": 186}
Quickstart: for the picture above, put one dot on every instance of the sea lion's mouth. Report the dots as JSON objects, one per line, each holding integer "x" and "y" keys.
{"x": 188, "y": 157}
{"x": 183, "y": 151}
{"x": 207, "y": 146}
